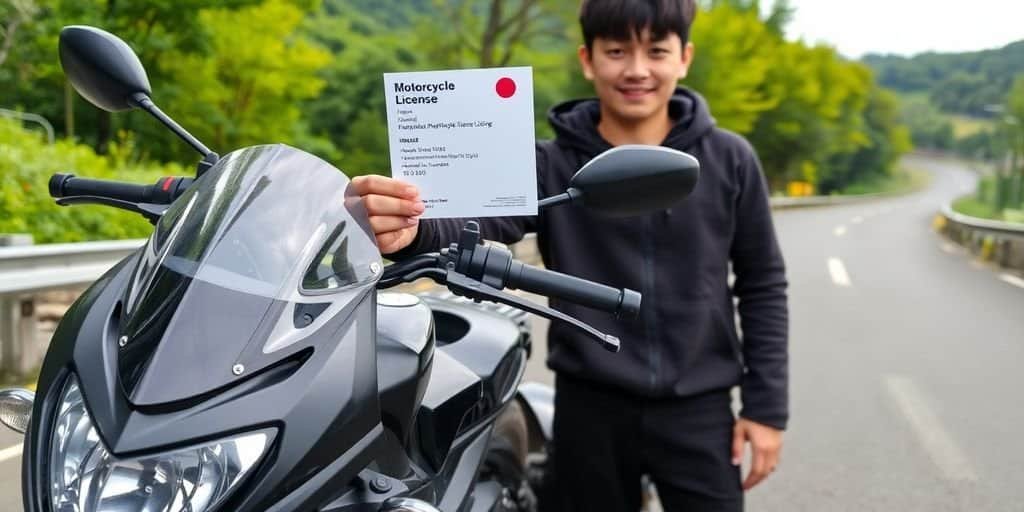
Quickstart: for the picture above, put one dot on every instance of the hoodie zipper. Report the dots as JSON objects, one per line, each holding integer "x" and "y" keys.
{"x": 650, "y": 304}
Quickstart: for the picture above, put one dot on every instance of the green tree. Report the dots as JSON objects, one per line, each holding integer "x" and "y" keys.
{"x": 14, "y": 14}
{"x": 247, "y": 88}
{"x": 876, "y": 160}
{"x": 26, "y": 163}
{"x": 153, "y": 29}
{"x": 1010, "y": 179}
{"x": 929, "y": 127}
{"x": 350, "y": 110}
{"x": 734, "y": 54}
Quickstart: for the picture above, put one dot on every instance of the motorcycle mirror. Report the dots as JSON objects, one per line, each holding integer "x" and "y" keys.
{"x": 102, "y": 68}
{"x": 631, "y": 180}
{"x": 105, "y": 71}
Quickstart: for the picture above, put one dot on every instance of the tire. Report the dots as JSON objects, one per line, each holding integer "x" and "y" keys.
{"x": 505, "y": 462}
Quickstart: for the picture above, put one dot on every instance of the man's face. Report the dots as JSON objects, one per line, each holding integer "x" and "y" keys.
{"x": 635, "y": 79}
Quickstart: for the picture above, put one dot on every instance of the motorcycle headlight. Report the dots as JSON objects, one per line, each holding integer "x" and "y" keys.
{"x": 85, "y": 477}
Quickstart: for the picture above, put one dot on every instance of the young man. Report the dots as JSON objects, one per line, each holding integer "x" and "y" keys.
{"x": 661, "y": 406}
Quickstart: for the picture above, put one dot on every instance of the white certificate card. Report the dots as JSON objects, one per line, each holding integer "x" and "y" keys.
{"x": 465, "y": 138}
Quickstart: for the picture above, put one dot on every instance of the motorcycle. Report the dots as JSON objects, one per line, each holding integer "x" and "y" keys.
{"x": 247, "y": 357}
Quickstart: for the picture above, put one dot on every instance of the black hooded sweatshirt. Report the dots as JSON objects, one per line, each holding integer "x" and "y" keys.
{"x": 685, "y": 341}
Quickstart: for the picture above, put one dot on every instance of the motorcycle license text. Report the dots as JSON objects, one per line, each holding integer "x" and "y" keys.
{"x": 465, "y": 139}
{"x": 402, "y": 91}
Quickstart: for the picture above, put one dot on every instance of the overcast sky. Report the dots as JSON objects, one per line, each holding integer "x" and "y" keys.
{"x": 907, "y": 27}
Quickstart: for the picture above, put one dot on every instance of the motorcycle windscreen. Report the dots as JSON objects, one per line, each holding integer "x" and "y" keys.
{"x": 242, "y": 271}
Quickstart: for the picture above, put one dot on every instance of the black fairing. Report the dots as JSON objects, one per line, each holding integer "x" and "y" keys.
{"x": 471, "y": 374}
{"x": 319, "y": 392}
{"x": 478, "y": 359}
{"x": 324, "y": 405}
{"x": 323, "y": 443}
{"x": 219, "y": 285}
{"x": 473, "y": 377}
{"x": 405, "y": 352}
{"x": 317, "y": 388}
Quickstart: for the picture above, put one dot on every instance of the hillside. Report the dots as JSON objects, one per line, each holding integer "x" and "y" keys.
{"x": 956, "y": 83}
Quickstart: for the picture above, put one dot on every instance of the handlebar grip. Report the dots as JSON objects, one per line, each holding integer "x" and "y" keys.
{"x": 624, "y": 303}
{"x": 63, "y": 185}
{"x": 163, "y": 192}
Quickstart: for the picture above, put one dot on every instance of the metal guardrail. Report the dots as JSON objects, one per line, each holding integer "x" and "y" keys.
{"x": 999, "y": 242}
{"x": 30, "y": 117}
{"x": 985, "y": 225}
{"x": 27, "y": 270}
{"x": 31, "y": 268}
{"x": 803, "y": 202}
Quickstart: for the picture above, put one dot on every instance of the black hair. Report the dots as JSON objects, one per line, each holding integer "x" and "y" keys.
{"x": 621, "y": 20}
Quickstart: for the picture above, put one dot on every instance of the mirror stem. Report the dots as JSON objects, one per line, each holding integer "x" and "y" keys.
{"x": 147, "y": 104}
{"x": 568, "y": 196}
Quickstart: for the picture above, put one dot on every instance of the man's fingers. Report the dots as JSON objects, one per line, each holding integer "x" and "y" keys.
{"x": 391, "y": 206}
{"x": 773, "y": 461}
{"x": 758, "y": 469}
{"x": 394, "y": 241}
{"x": 738, "y": 437}
{"x": 382, "y": 185}
{"x": 386, "y": 224}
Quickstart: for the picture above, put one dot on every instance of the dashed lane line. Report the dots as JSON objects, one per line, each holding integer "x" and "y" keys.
{"x": 1012, "y": 279}
{"x": 838, "y": 271}
{"x": 936, "y": 441}
{"x": 10, "y": 452}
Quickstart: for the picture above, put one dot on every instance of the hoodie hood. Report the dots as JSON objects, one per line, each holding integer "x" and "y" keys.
{"x": 575, "y": 122}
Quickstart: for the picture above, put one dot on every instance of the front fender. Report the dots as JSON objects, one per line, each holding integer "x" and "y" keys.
{"x": 539, "y": 404}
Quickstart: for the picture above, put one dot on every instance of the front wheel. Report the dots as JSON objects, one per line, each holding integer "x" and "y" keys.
{"x": 505, "y": 462}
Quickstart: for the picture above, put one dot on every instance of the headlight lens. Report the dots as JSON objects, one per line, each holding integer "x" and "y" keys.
{"x": 85, "y": 477}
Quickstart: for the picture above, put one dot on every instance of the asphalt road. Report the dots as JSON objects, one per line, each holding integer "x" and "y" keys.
{"x": 905, "y": 357}
{"x": 905, "y": 363}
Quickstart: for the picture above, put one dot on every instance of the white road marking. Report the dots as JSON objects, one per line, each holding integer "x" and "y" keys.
{"x": 949, "y": 248}
{"x": 840, "y": 231}
{"x": 10, "y": 452}
{"x": 1012, "y": 279}
{"x": 839, "y": 275}
{"x": 857, "y": 220}
{"x": 939, "y": 445}
{"x": 977, "y": 265}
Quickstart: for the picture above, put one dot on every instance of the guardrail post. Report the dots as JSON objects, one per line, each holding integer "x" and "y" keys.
{"x": 17, "y": 330}
{"x": 17, "y": 321}
{"x": 997, "y": 241}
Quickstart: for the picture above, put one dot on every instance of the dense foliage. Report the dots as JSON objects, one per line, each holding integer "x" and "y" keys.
{"x": 966, "y": 83}
{"x": 308, "y": 73}
{"x": 26, "y": 163}
{"x": 971, "y": 103}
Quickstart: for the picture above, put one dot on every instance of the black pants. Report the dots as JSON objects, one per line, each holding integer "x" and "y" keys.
{"x": 604, "y": 440}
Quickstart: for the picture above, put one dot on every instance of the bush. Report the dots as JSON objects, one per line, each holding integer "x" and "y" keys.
{"x": 972, "y": 207}
{"x": 26, "y": 164}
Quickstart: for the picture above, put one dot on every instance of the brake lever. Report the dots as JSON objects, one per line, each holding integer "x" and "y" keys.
{"x": 404, "y": 271}
{"x": 151, "y": 212}
{"x": 460, "y": 284}
{"x": 468, "y": 287}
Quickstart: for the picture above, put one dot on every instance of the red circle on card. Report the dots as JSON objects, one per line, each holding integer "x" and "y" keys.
{"x": 506, "y": 87}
